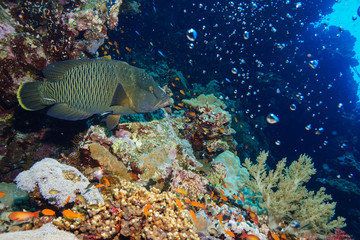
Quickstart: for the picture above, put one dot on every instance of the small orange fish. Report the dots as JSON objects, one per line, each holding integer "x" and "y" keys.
{"x": 182, "y": 92}
{"x": 209, "y": 149}
{"x": 274, "y": 236}
{"x": 48, "y": 212}
{"x": 192, "y": 114}
{"x": 110, "y": 43}
{"x": 117, "y": 51}
{"x": 249, "y": 237}
{"x": 99, "y": 186}
{"x": 146, "y": 210}
{"x": 195, "y": 204}
{"x": 187, "y": 201}
{"x": 71, "y": 215}
{"x": 116, "y": 45}
{"x": 221, "y": 130}
{"x": 172, "y": 84}
{"x": 236, "y": 197}
{"x": 283, "y": 236}
{"x": 224, "y": 185}
{"x": 178, "y": 203}
{"x": 231, "y": 234}
{"x": 176, "y": 107}
{"x": 240, "y": 218}
{"x": 212, "y": 194}
{"x": 223, "y": 198}
{"x": 106, "y": 181}
{"x": 177, "y": 79}
{"x": 105, "y": 52}
{"x": 67, "y": 200}
{"x": 193, "y": 215}
{"x": 222, "y": 191}
{"x": 128, "y": 49}
{"x": 2, "y": 194}
{"x": 181, "y": 191}
{"x": 236, "y": 120}
{"x": 220, "y": 217}
{"x": 135, "y": 176}
{"x": 235, "y": 153}
{"x": 253, "y": 216}
{"x": 181, "y": 104}
{"x": 202, "y": 206}
{"x": 23, "y": 216}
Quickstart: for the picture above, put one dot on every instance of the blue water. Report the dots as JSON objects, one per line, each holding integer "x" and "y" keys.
{"x": 272, "y": 74}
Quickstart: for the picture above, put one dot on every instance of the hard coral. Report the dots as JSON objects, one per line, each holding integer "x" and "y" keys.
{"x": 282, "y": 194}
{"x": 207, "y": 116}
{"x": 57, "y": 182}
{"x": 134, "y": 212}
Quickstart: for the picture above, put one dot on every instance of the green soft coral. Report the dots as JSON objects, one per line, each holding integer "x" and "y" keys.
{"x": 282, "y": 194}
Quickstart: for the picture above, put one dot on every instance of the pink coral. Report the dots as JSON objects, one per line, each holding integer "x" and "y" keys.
{"x": 338, "y": 235}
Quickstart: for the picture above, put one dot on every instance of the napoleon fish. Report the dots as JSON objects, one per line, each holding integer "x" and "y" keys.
{"x": 77, "y": 89}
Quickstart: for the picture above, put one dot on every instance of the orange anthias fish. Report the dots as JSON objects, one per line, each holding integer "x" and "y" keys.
{"x": 146, "y": 209}
{"x": 71, "y": 215}
{"x": 181, "y": 191}
{"x": 223, "y": 198}
{"x": 99, "y": 186}
{"x": 106, "y": 181}
{"x": 2, "y": 194}
{"x": 178, "y": 203}
{"x": 274, "y": 236}
{"x": 193, "y": 215}
{"x": 182, "y": 92}
{"x": 222, "y": 191}
{"x": 48, "y": 212}
{"x": 240, "y": 218}
{"x": 230, "y": 233}
{"x": 236, "y": 197}
{"x": 219, "y": 216}
{"x": 23, "y": 216}
{"x": 67, "y": 200}
{"x": 253, "y": 216}
{"x": 195, "y": 204}
{"x": 249, "y": 237}
{"x": 192, "y": 114}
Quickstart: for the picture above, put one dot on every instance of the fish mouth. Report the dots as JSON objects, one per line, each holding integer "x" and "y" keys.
{"x": 164, "y": 102}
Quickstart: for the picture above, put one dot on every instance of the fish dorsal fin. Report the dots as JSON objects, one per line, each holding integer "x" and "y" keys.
{"x": 112, "y": 121}
{"x": 55, "y": 71}
{"x": 120, "y": 97}
{"x": 62, "y": 111}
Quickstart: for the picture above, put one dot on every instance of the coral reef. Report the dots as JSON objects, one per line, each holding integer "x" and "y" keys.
{"x": 235, "y": 176}
{"x": 57, "y": 182}
{"x": 133, "y": 212}
{"x": 207, "y": 116}
{"x": 36, "y": 33}
{"x": 282, "y": 194}
{"x": 150, "y": 152}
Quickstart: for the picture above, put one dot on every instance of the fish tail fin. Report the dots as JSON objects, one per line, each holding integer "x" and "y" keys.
{"x": 36, "y": 214}
{"x": 29, "y": 97}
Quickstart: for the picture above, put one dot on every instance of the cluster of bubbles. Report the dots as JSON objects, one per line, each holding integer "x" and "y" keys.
{"x": 241, "y": 36}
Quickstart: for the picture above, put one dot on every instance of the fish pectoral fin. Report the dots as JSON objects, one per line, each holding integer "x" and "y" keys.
{"x": 112, "y": 121}
{"x": 63, "y": 111}
{"x": 120, "y": 97}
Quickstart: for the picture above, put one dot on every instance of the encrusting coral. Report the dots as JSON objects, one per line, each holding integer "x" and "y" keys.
{"x": 285, "y": 199}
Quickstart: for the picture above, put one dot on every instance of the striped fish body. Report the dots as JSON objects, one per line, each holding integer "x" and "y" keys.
{"x": 78, "y": 89}
{"x": 87, "y": 88}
